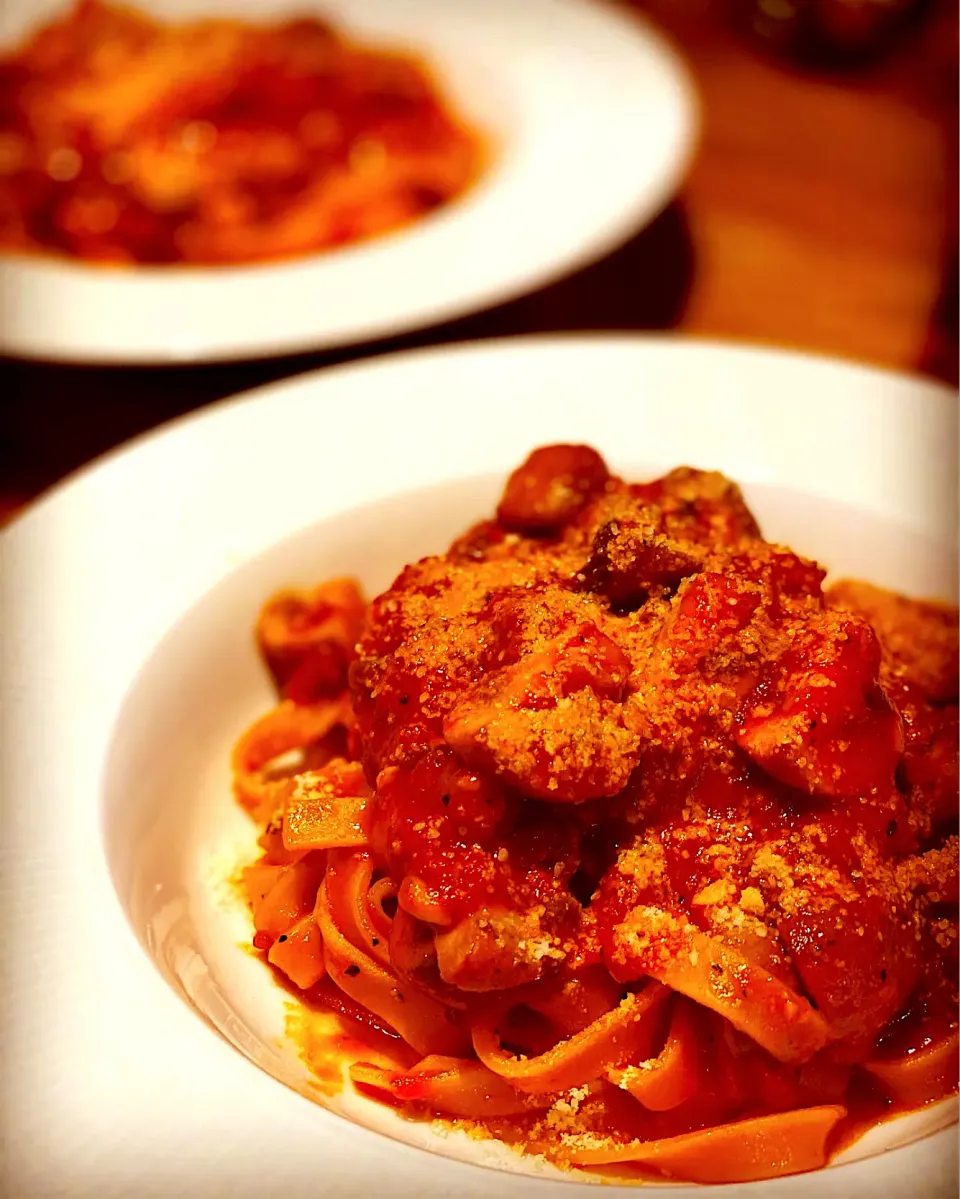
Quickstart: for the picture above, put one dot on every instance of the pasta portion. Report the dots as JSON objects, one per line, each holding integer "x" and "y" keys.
{"x": 625, "y": 841}
{"x": 125, "y": 140}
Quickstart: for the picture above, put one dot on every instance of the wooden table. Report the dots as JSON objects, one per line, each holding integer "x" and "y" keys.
{"x": 820, "y": 213}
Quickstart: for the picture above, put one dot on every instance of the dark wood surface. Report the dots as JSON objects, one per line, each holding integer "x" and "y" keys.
{"x": 820, "y": 213}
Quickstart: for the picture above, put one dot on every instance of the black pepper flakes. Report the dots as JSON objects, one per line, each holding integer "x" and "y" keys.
{"x": 352, "y": 971}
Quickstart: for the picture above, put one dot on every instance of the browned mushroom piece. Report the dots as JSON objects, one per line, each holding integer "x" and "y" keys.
{"x": 632, "y": 559}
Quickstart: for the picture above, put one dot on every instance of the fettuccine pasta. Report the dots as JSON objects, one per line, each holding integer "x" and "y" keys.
{"x": 632, "y": 845}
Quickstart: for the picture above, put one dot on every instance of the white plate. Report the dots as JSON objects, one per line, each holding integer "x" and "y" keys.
{"x": 590, "y": 115}
{"x": 128, "y": 595}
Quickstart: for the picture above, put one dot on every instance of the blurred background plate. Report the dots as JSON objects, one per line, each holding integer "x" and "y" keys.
{"x": 590, "y": 116}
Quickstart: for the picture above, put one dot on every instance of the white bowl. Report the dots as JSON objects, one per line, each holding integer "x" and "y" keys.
{"x": 129, "y": 670}
{"x": 590, "y": 117}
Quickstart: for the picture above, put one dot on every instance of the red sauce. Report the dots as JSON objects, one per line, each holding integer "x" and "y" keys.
{"x": 129, "y": 141}
{"x": 615, "y": 741}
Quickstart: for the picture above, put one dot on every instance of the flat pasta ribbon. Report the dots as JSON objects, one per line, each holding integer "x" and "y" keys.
{"x": 286, "y": 727}
{"x": 916, "y": 1078}
{"x": 743, "y": 1151}
{"x": 317, "y": 816}
{"x": 616, "y": 1037}
{"x": 652, "y": 941}
{"x": 282, "y": 895}
{"x": 299, "y": 953}
{"x": 423, "y": 1022}
{"x": 451, "y": 1086}
{"x": 347, "y": 881}
{"x": 664, "y": 1082}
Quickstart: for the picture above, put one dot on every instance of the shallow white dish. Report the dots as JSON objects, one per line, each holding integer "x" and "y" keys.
{"x": 128, "y": 596}
{"x": 590, "y": 117}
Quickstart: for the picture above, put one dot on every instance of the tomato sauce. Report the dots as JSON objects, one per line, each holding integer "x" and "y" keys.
{"x": 124, "y": 140}
{"x": 621, "y": 754}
